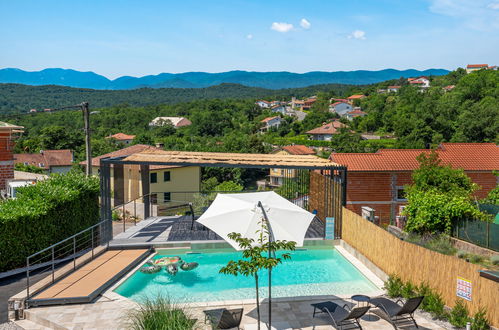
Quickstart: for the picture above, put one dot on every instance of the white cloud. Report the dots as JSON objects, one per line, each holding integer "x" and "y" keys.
{"x": 249, "y": 36}
{"x": 281, "y": 27}
{"x": 482, "y": 15}
{"x": 357, "y": 34}
{"x": 493, "y": 5}
{"x": 305, "y": 24}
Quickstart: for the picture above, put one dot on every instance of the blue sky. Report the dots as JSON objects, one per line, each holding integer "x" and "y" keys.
{"x": 115, "y": 38}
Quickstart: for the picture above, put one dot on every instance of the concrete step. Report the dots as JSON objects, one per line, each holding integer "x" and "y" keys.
{"x": 29, "y": 325}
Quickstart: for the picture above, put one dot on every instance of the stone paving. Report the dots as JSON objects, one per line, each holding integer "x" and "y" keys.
{"x": 286, "y": 314}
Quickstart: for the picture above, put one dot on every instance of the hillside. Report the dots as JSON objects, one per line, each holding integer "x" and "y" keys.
{"x": 269, "y": 80}
{"x": 15, "y": 98}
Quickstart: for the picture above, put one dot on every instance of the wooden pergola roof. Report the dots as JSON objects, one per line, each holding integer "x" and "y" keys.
{"x": 218, "y": 159}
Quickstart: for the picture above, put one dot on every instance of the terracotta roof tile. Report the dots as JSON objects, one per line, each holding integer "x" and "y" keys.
{"x": 298, "y": 149}
{"x": 467, "y": 156}
{"x": 121, "y": 136}
{"x": 265, "y": 120}
{"x": 330, "y": 128}
{"x": 47, "y": 158}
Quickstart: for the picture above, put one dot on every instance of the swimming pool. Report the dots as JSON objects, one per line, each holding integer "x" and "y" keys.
{"x": 309, "y": 272}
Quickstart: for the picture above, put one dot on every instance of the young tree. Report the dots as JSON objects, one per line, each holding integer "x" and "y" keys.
{"x": 439, "y": 196}
{"x": 257, "y": 256}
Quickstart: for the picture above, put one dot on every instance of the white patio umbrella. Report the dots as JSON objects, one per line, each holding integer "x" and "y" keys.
{"x": 244, "y": 212}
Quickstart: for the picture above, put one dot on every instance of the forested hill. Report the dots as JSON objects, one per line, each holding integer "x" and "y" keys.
{"x": 271, "y": 80}
{"x": 15, "y": 98}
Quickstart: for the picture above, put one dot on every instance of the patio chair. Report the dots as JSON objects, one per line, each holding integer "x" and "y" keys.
{"x": 396, "y": 312}
{"x": 223, "y": 318}
{"x": 341, "y": 316}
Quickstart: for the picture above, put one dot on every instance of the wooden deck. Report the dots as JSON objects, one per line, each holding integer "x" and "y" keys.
{"x": 84, "y": 284}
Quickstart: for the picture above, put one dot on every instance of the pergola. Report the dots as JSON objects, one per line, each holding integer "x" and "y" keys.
{"x": 327, "y": 191}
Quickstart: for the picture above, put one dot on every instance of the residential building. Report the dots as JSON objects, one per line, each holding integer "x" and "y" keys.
{"x": 275, "y": 102}
{"x": 377, "y": 180}
{"x": 357, "y": 112}
{"x": 175, "y": 121}
{"x": 307, "y": 104}
{"x": 354, "y": 97}
{"x": 270, "y": 122}
{"x": 279, "y": 108}
{"x": 475, "y": 67}
{"x": 51, "y": 161}
{"x": 326, "y": 131}
{"x": 278, "y": 175}
{"x": 166, "y": 183}
{"x": 393, "y": 89}
{"x": 422, "y": 82}
{"x": 340, "y": 108}
{"x": 297, "y": 104}
{"x": 122, "y": 138}
{"x": 263, "y": 104}
{"x": 7, "y": 136}
{"x": 448, "y": 88}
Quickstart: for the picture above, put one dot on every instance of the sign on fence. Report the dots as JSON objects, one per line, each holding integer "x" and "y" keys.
{"x": 329, "y": 227}
{"x": 463, "y": 288}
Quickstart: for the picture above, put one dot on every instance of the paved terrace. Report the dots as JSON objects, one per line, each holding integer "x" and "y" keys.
{"x": 110, "y": 313}
{"x": 160, "y": 230}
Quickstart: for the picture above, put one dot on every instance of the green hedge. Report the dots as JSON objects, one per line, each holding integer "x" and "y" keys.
{"x": 44, "y": 214}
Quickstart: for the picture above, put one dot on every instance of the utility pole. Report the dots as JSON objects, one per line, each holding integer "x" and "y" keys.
{"x": 86, "y": 122}
{"x": 86, "y": 128}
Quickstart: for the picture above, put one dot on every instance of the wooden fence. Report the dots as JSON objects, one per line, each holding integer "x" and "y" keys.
{"x": 418, "y": 264}
{"x": 325, "y": 197}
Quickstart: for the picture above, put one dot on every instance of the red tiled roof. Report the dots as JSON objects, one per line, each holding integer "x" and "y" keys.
{"x": 127, "y": 152}
{"x": 356, "y": 96}
{"x": 357, "y": 112}
{"x": 394, "y": 87}
{"x": 47, "y": 158}
{"x": 265, "y": 120}
{"x": 336, "y": 103}
{"x": 467, "y": 156}
{"x": 121, "y": 136}
{"x": 472, "y": 66}
{"x": 298, "y": 149}
{"x": 330, "y": 128}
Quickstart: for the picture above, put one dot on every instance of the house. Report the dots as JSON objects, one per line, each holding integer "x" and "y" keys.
{"x": 448, "y": 88}
{"x": 357, "y": 112}
{"x": 175, "y": 121}
{"x": 51, "y": 161}
{"x": 354, "y": 97}
{"x": 340, "y": 107}
{"x": 122, "y": 138}
{"x": 422, "y": 82}
{"x": 263, "y": 104}
{"x": 270, "y": 122}
{"x": 475, "y": 67}
{"x": 279, "y": 109}
{"x": 377, "y": 180}
{"x": 393, "y": 89}
{"x": 7, "y": 136}
{"x": 274, "y": 103}
{"x": 307, "y": 104}
{"x": 326, "y": 131}
{"x": 382, "y": 91}
{"x": 278, "y": 175}
{"x": 166, "y": 183}
{"x": 297, "y": 104}
{"x": 32, "y": 111}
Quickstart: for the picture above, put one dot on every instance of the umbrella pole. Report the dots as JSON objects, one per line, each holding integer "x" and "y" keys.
{"x": 270, "y": 268}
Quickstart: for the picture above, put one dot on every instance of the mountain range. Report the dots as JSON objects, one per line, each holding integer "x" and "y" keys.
{"x": 269, "y": 80}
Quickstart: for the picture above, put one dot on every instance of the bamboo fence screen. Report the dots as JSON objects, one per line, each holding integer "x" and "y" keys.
{"x": 418, "y": 264}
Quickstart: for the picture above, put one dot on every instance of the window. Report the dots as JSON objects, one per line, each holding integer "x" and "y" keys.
{"x": 401, "y": 194}
{"x": 154, "y": 177}
{"x": 167, "y": 197}
{"x": 166, "y": 176}
{"x": 154, "y": 198}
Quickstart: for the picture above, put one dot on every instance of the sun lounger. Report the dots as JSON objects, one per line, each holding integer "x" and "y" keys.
{"x": 396, "y": 312}
{"x": 223, "y": 318}
{"x": 341, "y": 316}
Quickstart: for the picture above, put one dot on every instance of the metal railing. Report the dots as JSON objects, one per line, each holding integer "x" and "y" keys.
{"x": 64, "y": 256}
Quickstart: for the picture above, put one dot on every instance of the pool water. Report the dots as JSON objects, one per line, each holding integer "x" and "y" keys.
{"x": 309, "y": 272}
